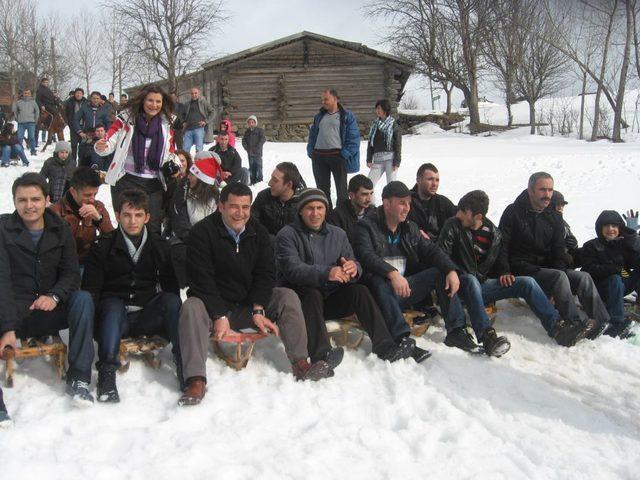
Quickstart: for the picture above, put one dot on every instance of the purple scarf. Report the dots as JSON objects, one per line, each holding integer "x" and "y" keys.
{"x": 152, "y": 130}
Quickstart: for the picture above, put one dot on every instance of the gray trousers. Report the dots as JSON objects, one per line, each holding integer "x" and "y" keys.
{"x": 563, "y": 285}
{"x": 195, "y": 325}
{"x": 377, "y": 169}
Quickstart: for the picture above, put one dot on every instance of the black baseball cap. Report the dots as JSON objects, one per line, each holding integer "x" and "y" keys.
{"x": 558, "y": 199}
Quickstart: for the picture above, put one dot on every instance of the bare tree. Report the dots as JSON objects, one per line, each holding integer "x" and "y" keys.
{"x": 624, "y": 70}
{"x": 169, "y": 33}
{"x": 85, "y": 42}
{"x": 541, "y": 68}
{"x": 503, "y": 48}
{"x": 443, "y": 37}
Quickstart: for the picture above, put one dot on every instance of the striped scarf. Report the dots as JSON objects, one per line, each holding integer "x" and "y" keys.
{"x": 386, "y": 127}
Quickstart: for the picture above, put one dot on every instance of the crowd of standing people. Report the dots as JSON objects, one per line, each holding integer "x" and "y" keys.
{"x": 287, "y": 261}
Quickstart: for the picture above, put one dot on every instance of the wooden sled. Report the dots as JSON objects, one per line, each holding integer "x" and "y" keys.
{"x": 239, "y": 357}
{"x": 146, "y": 347}
{"x": 37, "y": 347}
{"x": 349, "y": 333}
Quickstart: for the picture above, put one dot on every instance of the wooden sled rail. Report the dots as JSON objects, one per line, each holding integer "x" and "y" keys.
{"x": 31, "y": 348}
{"x": 243, "y": 342}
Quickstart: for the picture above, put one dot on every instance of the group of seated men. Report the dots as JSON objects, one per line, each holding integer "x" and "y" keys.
{"x": 285, "y": 265}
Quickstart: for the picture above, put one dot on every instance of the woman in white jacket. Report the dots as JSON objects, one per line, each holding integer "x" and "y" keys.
{"x": 141, "y": 139}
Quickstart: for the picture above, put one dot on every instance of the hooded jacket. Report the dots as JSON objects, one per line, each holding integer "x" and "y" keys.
{"x": 531, "y": 239}
{"x": 372, "y": 236}
{"x": 603, "y": 258}
{"x": 430, "y": 214}
{"x": 305, "y": 257}
{"x": 58, "y": 173}
{"x": 28, "y": 271}
{"x": 457, "y": 242}
{"x": 232, "y": 136}
{"x": 252, "y": 140}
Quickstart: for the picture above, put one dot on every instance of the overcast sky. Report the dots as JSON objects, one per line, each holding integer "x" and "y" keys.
{"x": 253, "y": 22}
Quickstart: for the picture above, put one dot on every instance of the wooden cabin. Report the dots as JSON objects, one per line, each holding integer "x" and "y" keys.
{"x": 281, "y": 82}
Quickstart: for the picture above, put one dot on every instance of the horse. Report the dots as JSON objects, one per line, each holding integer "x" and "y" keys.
{"x": 53, "y": 123}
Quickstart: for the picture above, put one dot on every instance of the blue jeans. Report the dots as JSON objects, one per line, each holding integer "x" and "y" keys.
{"x": 15, "y": 150}
{"x": 421, "y": 284}
{"x": 76, "y": 313}
{"x": 612, "y": 291}
{"x": 255, "y": 168}
{"x": 195, "y": 136}
{"x": 30, "y": 128}
{"x": 476, "y": 295}
{"x": 158, "y": 317}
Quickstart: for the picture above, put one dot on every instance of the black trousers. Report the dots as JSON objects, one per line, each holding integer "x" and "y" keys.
{"x": 323, "y": 167}
{"x": 344, "y": 301}
{"x": 153, "y": 188}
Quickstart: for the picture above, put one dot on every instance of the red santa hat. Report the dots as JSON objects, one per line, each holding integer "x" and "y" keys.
{"x": 206, "y": 167}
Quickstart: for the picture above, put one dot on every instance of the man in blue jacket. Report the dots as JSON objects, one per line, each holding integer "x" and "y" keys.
{"x": 334, "y": 146}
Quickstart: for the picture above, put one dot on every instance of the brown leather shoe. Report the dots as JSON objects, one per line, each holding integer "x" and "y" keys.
{"x": 194, "y": 393}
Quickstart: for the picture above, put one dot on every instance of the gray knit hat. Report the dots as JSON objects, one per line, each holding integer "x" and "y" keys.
{"x": 62, "y": 145}
{"x": 309, "y": 195}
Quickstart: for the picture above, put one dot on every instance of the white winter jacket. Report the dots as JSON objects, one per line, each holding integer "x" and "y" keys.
{"x": 119, "y": 141}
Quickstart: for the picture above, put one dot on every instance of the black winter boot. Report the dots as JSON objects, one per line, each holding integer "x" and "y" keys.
{"x": 595, "y": 328}
{"x": 107, "y": 390}
{"x": 568, "y": 334}
{"x": 460, "y": 338}
{"x": 5, "y": 421}
{"x": 494, "y": 346}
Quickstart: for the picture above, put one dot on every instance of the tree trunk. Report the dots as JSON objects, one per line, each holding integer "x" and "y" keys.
{"x": 449, "y": 99}
{"x": 582, "y": 101}
{"x": 472, "y": 104}
{"x": 618, "y": 112}
{"x": 532, "y": 116}
{"x": 603, "y": 67}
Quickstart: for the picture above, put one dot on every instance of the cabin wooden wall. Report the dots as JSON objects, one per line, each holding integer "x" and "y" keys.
{"x": 282, "y": 87}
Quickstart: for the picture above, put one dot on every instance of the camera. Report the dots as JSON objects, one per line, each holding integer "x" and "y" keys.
{"x": 170, "y": 168}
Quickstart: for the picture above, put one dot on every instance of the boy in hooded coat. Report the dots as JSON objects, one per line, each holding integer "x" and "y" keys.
{"x": 613, "y": 260}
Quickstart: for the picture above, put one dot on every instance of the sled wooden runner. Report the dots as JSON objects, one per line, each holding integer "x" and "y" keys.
{"x": 349, "y": 333}
{"x": 243, "y": 343}
{"x": 36, "y": 347}
{"x": 146, "y": 347}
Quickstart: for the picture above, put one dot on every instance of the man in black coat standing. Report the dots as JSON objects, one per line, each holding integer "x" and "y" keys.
{"x": 429, "y": 209}
{"x": 72, "y": 106}
{"x": 533, "y": 244}
{"x": 613, "y": 260}
{"x": 122, "y": 272}
{"x": 39, "y": 280}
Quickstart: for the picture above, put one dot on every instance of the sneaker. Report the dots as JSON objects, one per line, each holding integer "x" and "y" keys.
{"x": 107, "y": 389}
{"x": 79, "y": 393}
{"x": 420, "y": 354}
{"x": 303, "y": 370}
{"x": 595, "y": 328}
{"x": 403, "y": 350}
{"x": 25, "y": 164}
{"x": 334, "y": 357}
{"x": 568, "y": 334}
{"x": 462, "y": 339}
{"x": 619, "y": 330}
{"x": 494, "y": 346}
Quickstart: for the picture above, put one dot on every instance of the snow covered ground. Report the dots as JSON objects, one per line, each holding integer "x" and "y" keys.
{"x": 542, "y": 411}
